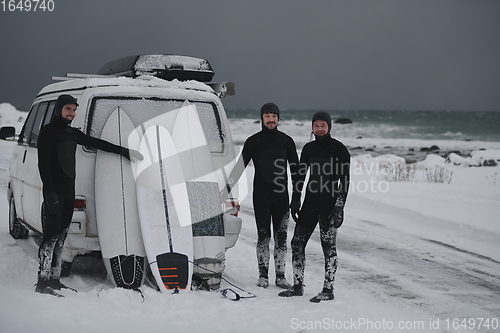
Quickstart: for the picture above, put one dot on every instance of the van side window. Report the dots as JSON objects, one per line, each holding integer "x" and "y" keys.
{"x": 37, "y": 125}
{"x": 212, "y": 126}
{"x": 28, "y": 125}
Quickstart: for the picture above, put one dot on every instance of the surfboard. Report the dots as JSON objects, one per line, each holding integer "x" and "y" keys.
{"x": 204, "y": 196}
{"x": 164, "y": 211}
{"x": 116, "y": 207}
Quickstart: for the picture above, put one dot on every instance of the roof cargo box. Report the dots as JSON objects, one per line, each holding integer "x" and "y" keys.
{"x": 165, "y": 66}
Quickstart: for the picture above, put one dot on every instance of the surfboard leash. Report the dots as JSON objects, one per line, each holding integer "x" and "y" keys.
{"x": 228, "y": 291}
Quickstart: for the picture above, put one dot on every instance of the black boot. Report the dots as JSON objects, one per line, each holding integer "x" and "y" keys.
{"x": 57, "y": 285}
{"x": 263, "y": 282}
{"x": 324, "y": 295}
{"x": 282, "y": 282}
{"x": 296, "y": 290}
{"x": 43, "y": 287}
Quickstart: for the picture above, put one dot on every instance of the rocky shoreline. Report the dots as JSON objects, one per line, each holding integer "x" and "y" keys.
{"x": 411, "y": 155}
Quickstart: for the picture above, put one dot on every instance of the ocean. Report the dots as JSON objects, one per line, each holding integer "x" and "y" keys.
{"x": 409, "y": 134}
{"x": 404, "y": 133}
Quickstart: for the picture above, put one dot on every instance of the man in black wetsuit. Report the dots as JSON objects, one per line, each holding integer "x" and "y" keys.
{"x": 328, "y": 163}
{"x": 56, "y": 164}
{"x": 270, "y": 150}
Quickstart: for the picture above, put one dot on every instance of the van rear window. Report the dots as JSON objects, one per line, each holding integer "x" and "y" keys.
{"x": 145, "y": 112}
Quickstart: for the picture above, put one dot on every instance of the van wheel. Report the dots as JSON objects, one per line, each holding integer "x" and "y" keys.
{"x": 16, "y": 229}
{"x": 66, "y": 268}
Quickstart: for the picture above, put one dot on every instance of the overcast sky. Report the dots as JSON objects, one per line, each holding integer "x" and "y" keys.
{"x": 309, "y": 54}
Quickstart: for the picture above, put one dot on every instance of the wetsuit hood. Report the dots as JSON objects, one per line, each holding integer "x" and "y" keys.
{"x": 61, "y": 101}
{"x": 269, "y": 108}
{"x": 325, "y": 116}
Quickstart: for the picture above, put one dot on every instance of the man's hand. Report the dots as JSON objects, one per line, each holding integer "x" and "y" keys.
{"x": 295, "y": 209}
{"x": 337, "y": 216}
{"x": 337, "y": 213}
{"x": 131, "y": 153}
{"x": 135, "y": 154}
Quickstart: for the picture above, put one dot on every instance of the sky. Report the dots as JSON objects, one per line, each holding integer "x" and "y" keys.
{"x": 299, "y": 54}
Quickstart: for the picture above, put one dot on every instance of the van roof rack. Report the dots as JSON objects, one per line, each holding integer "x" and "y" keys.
{"x": 164, "y": 66}
{"x": 222, "y": 89}
{"x": 73, "y": 76}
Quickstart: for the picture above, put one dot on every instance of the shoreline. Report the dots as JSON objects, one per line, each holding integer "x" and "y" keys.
{"x": 411, "y": 155}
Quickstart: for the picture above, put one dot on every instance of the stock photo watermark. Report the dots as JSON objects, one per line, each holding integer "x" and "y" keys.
{"x": 354, "y": 324}
{"x": 333, "y": 177}
{"x": 27, "y": 6}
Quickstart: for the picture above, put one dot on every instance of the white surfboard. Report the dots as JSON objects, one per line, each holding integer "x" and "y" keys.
{"x": 204, "y": 195}
{"x": 164, "y": 211}
{"x": 116, "y": 207}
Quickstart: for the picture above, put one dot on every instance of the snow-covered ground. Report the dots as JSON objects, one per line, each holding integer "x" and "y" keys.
{"x": 414, "y": 256}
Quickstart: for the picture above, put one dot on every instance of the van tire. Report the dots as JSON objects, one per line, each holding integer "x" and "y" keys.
{"x": 16, "y": 229}
{"x": 66, "y": 268}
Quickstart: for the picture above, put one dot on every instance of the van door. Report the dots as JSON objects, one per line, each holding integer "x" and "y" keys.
{"x": 31, "y": 182}
{"x": 17, "y": 164}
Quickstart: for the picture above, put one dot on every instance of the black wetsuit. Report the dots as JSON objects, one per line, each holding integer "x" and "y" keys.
{"x": 270, "y": 151}
{"x": 328, "y": 163}
{"x": 56, "y": 163}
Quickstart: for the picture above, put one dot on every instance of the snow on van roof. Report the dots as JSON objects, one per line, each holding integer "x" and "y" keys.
{"x": 140, "y": 81}
{"x": 158, "y": 61}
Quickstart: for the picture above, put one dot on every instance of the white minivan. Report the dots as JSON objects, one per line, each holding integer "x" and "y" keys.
{"x": 147, "y": 87}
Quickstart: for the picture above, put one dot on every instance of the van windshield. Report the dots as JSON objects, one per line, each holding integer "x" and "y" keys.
{"x": 145, "y": 112}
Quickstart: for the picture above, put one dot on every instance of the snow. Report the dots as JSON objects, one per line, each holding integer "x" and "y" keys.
{"x": 10, "y": 116}
{"x": 161, "y": 61}
{"x": 414, "y": 256}
{"x": 141, "y": 81}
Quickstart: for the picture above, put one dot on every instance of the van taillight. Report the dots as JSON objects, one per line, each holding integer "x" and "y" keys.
{"x": 80, "y": 204}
